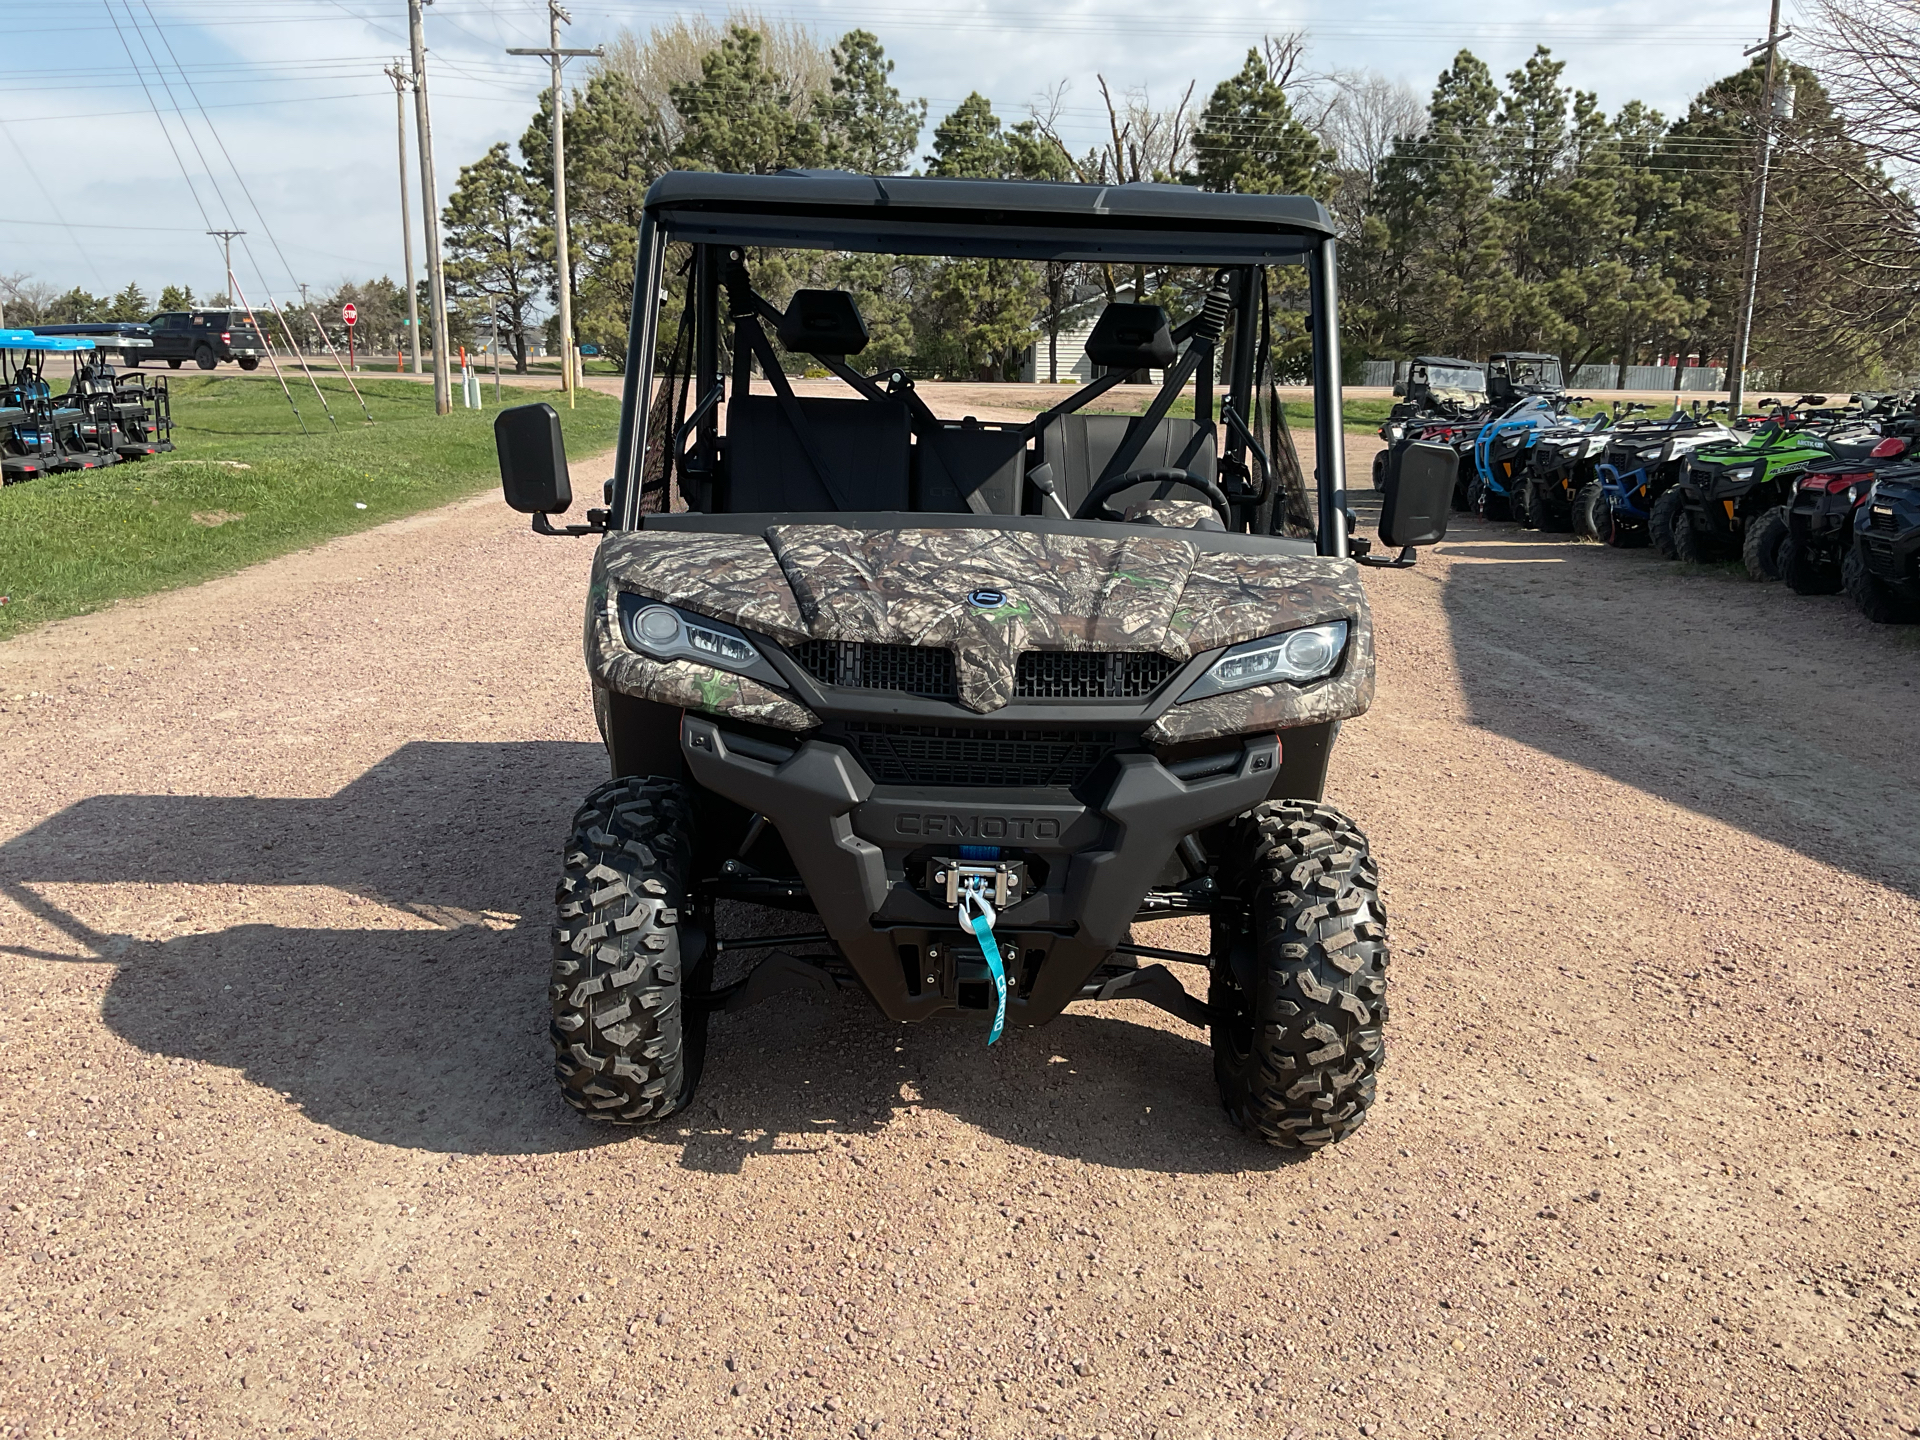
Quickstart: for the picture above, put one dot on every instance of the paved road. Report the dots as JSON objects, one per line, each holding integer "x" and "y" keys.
{"x": 278, "y": 1154}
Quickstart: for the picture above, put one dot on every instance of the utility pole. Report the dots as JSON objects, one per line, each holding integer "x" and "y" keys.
{"x": 400, "y": 84}
{"x": 558, "y": 57}
{"x": 436, "y": 280}
{"x": 226, "y": 248}
{"x": 1769, "y": 101}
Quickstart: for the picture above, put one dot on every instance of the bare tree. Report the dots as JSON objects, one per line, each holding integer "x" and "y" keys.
{"x": 1364, "y": 113}
{"x": 1868, "y": 54}
{"x": 24, "y": 300}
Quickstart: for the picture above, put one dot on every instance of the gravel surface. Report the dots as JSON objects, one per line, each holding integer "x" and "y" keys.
{"x": 279, "y": 1154}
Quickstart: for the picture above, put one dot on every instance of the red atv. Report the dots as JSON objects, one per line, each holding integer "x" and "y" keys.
{"x": 1820, "y": 517}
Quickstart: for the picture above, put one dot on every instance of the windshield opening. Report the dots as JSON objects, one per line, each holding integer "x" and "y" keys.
{"x": 789, "y": 380}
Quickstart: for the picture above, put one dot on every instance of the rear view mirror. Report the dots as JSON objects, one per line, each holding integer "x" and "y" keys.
{"x": 533, "y": 460}
{"x": 1419, "y": 495}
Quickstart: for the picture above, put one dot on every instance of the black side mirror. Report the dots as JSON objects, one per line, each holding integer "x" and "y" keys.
{"x": 1419, "y": 495}
{"x": 533, "y": 460}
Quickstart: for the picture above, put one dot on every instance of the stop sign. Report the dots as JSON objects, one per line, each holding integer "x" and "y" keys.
{"x": 349, "y": 314}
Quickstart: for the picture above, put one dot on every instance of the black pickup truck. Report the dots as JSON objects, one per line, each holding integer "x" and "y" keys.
{"x": 206, "y": 337}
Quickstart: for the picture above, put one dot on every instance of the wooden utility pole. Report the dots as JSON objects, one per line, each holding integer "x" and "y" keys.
{"x": 564, "y": 280}
{"x": 400, "y": 84}
{"x": 1743, "y": 329}
{"x": 436, "y": 280}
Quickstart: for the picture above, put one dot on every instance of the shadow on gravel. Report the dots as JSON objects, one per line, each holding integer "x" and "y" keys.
{"x": 1771, "y": 712}
{"x": 430, "y": 1037}
{"x": 434, "y": 1037}
{"x": 1105, "y": 1088}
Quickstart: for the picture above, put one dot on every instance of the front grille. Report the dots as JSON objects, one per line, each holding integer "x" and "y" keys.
{"x": 975, "y": 755}
{"x": 1879, "y": 556}
{"x": 1090, "y": 675}
{"x": 912, "y": 669}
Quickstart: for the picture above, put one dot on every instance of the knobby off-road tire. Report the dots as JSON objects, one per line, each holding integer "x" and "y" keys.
{"x": 1805, "y": 575}
{"x": 1874, "y": 597}
{"x": 1760, "y": 549}
{"x": 1296, "y": 1059}
{"x": 1660, "y": 521}
{"x": 1689, "y": 545}
{"x": 1520, "y": 504}
{"x": 626, "y": 1046}
{"x": 1592, "y": 512}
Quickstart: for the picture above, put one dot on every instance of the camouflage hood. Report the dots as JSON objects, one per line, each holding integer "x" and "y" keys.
{"x": 1148, "y": 591}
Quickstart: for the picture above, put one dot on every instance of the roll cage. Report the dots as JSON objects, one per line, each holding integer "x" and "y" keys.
{"x": 881, "y": 450}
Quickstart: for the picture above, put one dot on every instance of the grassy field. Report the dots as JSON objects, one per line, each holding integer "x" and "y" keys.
{"x": 243, "y": 485}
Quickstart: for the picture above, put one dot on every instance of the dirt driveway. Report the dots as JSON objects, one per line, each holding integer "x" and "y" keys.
{"x": 279, "y": 1155}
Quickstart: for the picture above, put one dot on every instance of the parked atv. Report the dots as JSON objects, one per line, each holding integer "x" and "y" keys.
{"x": 972, "y": 697}
{"x": 1641, "y": 461}
{"x": 1881, "y": 573}
{"x": 1820, "y": 519}
{"x": 1560, "y": 464}
{"x": 1727, "y": 492}
{"x": 1502, "y": 453}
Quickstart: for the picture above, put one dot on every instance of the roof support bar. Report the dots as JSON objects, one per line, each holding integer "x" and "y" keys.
{"x": 1329, "y": 438}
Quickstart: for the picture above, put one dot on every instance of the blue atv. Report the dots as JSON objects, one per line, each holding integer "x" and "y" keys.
{"x": 1641, "y": 461}
{"x": 1521, "y": 388}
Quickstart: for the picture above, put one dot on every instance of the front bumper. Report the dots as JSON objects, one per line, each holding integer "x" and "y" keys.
{"x": 856, "y": 845}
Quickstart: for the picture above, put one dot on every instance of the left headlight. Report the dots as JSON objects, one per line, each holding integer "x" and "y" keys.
{"x": 661, "y": 632}
{"x": 1295, "y": 656}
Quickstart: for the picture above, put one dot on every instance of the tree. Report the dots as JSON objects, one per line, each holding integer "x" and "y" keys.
{"x": 176, "y": 297}
{"x": 129, "y": 305}
{"x": 76, "y": 307}
{"x": 1249, "y": 141}
{"x": 492, "y": 265}
{"x": 672, "y": 54}
{"x": 739, "y": 115}
{"x": 869, "y": 128}
{"x": 616, "y": 148}
{"x": 970, "y": 142}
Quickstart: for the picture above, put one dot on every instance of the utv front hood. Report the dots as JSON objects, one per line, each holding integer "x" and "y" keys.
{"x": 988, "y": 595}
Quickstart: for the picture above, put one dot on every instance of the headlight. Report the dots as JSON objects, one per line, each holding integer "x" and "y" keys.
{"x": 1296, "y": 657}
{"x": 661, "y": 632}
{"x": 1745, "y": 472}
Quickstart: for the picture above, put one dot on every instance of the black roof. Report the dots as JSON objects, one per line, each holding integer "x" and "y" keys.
{"x": 1523, "y": 355}
{"x": 1446, "y": 360}
{"x": 1027, "y": 219}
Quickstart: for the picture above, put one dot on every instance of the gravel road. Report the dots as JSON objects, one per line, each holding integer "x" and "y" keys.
{"x": 279, "y": 1154}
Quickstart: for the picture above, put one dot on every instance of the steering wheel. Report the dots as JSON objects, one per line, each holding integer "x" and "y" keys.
{"x": 1095, "y": 506}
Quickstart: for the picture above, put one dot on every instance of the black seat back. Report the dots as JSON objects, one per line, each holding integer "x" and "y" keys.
{"x": 1078, "y": 448}
{"x": 863, "y": 443}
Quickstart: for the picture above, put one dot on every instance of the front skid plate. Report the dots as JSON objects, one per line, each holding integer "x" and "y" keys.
{"x": 849, "y": 838}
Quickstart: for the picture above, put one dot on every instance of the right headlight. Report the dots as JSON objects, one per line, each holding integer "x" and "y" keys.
{"x": 1295, "y": 656}
{"x": 662, "y": 632}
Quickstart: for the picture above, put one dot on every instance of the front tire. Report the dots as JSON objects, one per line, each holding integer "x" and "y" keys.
{"x": 1803, "y": 574}
{"x": 1296, "y": 1057}
{"x": 1872, "y": 596}
{"x": 1660, "y": 521}
{"x": 1760, "y": 549}
{"x": 627, "y": 1045}
{"x": 1592, "y": 512}
{"x": 1689, "y": 546}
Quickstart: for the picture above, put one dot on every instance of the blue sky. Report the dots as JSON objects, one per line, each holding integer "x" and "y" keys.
{"x": 93, "y": 194}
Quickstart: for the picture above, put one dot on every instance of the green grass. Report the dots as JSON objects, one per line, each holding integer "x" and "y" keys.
{"x": 244, "y": 485}
{"x": 1356, "y": 415}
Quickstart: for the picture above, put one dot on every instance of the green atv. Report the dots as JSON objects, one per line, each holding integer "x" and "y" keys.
{"x": 1731, "y": 500}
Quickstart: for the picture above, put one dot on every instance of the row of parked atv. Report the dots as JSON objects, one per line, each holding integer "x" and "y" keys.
{"x": 100, "y": 418}
{"x": 1823, "y": 495}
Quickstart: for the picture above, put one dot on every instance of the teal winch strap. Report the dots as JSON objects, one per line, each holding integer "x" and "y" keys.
{"x": 981, "y": 923}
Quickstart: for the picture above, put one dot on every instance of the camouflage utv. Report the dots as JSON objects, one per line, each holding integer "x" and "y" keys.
{"x": 972, "y": 697}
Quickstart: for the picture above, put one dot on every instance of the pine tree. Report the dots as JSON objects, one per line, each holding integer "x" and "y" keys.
{"x": 176, "y": 297}
{"x": 492, "y": 263}
{"x": 130, "y": 304}
{"x": 1249, "y": 141}
{"x": 869, "y": 128}
{"x": 970, "y": 142}
{"x": 739, "y": 115}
